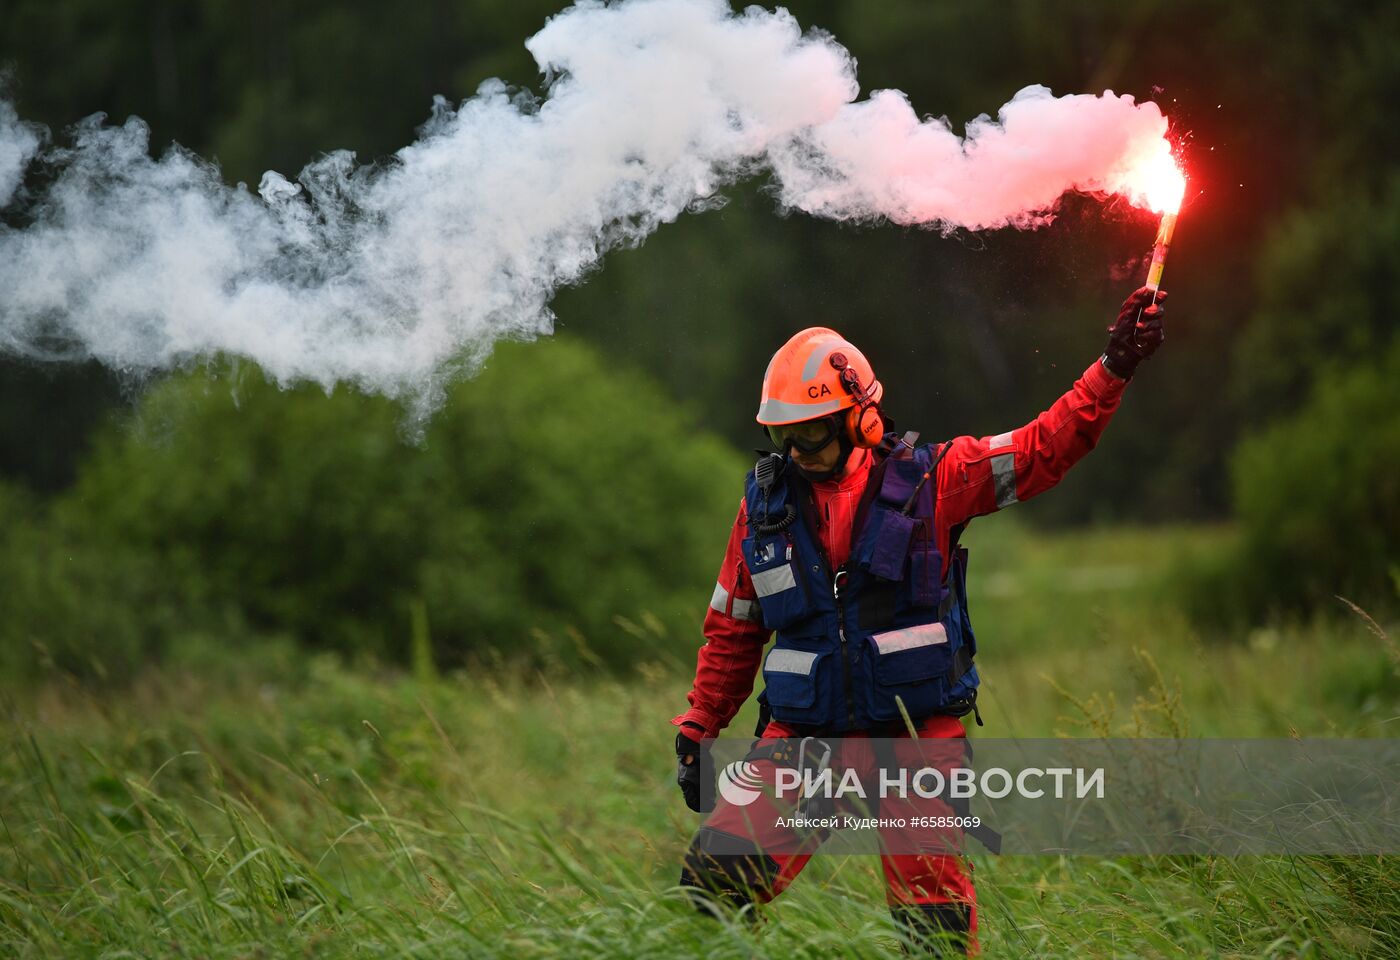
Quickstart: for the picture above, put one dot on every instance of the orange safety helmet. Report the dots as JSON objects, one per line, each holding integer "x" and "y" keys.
{"x": 818, "y": 373}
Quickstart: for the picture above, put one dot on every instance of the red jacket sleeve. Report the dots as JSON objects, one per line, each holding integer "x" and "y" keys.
{"x": 982, "y": 475}
{"x": 734, "y": 638}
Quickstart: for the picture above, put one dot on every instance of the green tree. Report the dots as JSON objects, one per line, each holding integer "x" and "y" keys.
{"x": 553, "y": 494}
{"x": 1326, "y": 281}
{"x": 1317, "y": 495}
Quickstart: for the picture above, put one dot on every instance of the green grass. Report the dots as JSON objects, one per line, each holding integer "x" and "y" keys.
{"x": 269, "y": 804}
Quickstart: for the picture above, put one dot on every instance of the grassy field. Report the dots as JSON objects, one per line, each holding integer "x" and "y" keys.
{"x": 263, "y": 803}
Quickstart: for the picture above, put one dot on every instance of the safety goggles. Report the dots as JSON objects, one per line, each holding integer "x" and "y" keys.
{"x": 809, "y": 436}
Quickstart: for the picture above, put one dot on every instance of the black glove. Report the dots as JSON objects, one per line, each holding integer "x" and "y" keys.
{"x": 688, "y": 773}
{"x": 1136, "y": 334}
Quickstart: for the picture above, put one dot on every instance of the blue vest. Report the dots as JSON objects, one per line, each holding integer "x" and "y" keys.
{"x": 853, "y": 644}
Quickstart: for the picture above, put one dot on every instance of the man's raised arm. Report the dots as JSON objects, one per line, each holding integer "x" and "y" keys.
{"x": 981, "y": 475}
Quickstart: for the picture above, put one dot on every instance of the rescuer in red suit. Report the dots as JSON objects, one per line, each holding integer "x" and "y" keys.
{"x": 821, "y": 406}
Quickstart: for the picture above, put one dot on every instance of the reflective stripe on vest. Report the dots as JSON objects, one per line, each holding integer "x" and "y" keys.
{"x": 924, "y": 635}
{"x": 781, "y": 660}
{"x": 769, "y": 582}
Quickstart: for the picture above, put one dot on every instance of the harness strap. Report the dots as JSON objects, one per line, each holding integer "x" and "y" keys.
{"x": 781, "y": 750}
{"x": 962, "y": 662}
{"x": 765, "y": 714}
{"x": 946, "y": 606}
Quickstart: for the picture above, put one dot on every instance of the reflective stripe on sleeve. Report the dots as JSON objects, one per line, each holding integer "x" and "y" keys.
{"x": 789, "y": 661}
{"x": 741, "y": 609}
{"x": 719, "y": 600}
{"x": 1000, "y": 440}
{"x": 745, "y": 610}
{"x": 774, "y": 581}
{"x": 924, "y": 635}
{"x": 1004, "y": 479}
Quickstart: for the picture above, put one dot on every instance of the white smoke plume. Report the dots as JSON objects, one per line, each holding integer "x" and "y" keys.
{"x": 18, "y": 144}
{"x": 398, "y": 276}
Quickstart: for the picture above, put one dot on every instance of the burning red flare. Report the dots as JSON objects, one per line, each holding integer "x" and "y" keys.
{"x": 1159, "y": 184}
{"x": 1164, "y": 185}
{"x": 1155, "y": 180}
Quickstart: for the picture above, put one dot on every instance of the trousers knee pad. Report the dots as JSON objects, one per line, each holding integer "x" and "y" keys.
{"x": 726, "y": 868}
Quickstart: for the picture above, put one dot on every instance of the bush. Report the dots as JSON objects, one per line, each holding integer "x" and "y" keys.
{"x": 1318, "y": 500}
{"x": 550, "y": 496}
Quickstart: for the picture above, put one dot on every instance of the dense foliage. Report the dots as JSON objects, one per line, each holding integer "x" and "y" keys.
{"x": 552, "y": 495}
{"x": 1318, "y": 496}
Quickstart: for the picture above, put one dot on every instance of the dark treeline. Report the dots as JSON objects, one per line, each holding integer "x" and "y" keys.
{"x": 1282, "y": 275}
{"x": 1281, "y": 261}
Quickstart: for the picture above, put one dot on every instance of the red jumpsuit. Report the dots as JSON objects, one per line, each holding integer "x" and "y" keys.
{"x": 978, "y": 476}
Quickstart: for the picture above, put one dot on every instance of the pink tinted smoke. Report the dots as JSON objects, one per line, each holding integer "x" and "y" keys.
{"x": 882, "y": 161}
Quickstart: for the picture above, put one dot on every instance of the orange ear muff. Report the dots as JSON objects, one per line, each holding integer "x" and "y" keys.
{"x": 865, "y": 427}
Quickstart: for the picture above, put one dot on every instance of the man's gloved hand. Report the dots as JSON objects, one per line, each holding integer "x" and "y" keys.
{"x": 688, "y": 771}
{"x": 1136, "y": 334}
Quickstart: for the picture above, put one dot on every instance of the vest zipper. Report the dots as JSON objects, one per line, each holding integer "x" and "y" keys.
{"x": 836, "y": 581}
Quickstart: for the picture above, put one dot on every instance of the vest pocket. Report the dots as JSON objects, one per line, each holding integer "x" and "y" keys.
{"x": 776, "y": 580}
{"x": 888, "y": 543}
{"x": 910, "y": 663}
{"x": 790, "y": 680}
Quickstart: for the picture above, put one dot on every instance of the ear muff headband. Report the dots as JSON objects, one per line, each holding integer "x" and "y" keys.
{"x": 864, "y": 424}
